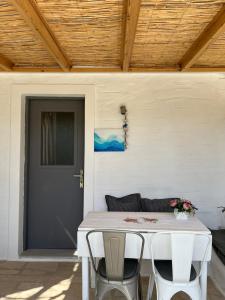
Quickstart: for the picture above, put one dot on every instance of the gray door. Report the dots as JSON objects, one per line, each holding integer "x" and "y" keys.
{"x": 55, "y": 153}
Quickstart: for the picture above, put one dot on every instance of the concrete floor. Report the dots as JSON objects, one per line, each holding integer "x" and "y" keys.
{"x": 58, "y": 281}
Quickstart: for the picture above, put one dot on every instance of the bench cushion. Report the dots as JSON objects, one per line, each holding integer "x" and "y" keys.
{"x": 156, "y": 205}
{"x": 218, "y": 240}
{"x": 126, "y": 203}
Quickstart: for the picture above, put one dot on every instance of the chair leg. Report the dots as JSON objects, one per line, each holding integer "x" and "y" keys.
{"x": 194, "y": 293}
{"x": 101, "y": 290}
{"x": 150, "y": 287}
{"x": 130, "y": 291}
{"x": 139, "y": 288}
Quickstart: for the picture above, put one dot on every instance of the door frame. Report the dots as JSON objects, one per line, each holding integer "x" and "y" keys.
{"x": 17, "y": 153}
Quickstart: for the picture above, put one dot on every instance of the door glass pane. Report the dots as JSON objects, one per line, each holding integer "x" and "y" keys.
{"x": 57, "y": 138}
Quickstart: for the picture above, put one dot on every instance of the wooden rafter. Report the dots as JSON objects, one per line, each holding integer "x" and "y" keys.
{"x": 32, "y": 16}
{"x": 117, "y": 69}
{"x": 153, "y": 69}
{"x": 212, "y": 31}
{"x": 73, "y": 70}
{"x": 167, "y": 69}
{"x": 131, "y": 20}
{"x": 5, "y": 63}
{"x": 206, "y": 69}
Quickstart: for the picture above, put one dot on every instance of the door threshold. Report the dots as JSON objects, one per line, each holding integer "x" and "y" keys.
{"x": 49, "y": 255}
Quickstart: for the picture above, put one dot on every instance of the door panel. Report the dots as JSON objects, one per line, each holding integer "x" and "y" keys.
{"x": 55, "y": 154}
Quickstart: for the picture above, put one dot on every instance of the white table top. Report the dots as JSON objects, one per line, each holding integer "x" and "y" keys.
{"x": 166, "y": 222}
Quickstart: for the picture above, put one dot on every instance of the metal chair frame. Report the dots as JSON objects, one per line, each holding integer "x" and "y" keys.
{"x": 163, "y": 284}
{"x": 131, "y": 287}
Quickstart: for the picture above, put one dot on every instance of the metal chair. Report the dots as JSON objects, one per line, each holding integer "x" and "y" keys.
{"x": 178, "y": 274}
{"x": 113, "y": 270}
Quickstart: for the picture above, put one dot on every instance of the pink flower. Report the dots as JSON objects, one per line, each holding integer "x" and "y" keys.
{"x": 186, "y": 205}
{"x": 173, "y": 203}
{"x": 187, "y": 201}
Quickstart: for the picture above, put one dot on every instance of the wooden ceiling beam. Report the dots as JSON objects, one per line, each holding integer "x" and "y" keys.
{"x": 205, "y": 69}
{"x": 162, "y": 69}
{"x": 5, "y": 63}
{"x": 132, "y": 11}
{"x": 212, "y": 31}
{"x": 73, "y": 69}
{"x": 37, "y": 69}
{"x": 153, "y": 69}
{"x": 32, "y": 16}
{"x": 94, "y": 69}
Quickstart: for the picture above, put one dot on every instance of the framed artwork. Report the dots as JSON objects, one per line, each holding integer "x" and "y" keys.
{"x": 109, "y": 140}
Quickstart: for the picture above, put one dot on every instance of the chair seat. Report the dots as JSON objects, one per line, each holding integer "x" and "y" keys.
{"x": 130, "y": 268}
{"x": 164, "y": 267}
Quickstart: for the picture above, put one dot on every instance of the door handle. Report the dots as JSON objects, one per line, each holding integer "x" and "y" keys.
{"x": 81, "y": 176}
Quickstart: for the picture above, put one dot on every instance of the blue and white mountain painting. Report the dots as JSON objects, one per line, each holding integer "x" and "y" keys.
{"x": 109, "y": 140}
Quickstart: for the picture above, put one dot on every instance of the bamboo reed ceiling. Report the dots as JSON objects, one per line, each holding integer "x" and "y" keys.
{"x": 167, "y": 29}
{"x": 88, "y": 31}
{"x": 17, "y": 41}
{"x": 112, "y": 35}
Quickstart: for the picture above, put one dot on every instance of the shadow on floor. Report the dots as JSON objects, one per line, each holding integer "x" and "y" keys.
{"x": 57, "y": 281}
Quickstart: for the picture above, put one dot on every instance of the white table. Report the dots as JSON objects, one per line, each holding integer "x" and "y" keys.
{"x": 115, "y": 220}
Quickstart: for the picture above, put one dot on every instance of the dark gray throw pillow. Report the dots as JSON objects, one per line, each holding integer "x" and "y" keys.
{"x": 126, "y": 203}
{"x": 156, "y": 205}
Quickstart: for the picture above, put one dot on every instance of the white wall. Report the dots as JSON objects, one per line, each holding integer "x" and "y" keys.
{"x": 176, "y": 137}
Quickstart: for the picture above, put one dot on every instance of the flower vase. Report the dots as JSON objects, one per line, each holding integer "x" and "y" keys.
{"x": 181, "y": 215}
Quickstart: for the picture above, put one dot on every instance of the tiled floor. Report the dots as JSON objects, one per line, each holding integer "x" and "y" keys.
{"x": 56, "y": 281}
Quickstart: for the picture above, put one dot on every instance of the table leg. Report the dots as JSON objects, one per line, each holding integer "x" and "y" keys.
{"x": 93, "y": 277}
{"x": 85, "y": 278}
{"x": 203, "y": 280}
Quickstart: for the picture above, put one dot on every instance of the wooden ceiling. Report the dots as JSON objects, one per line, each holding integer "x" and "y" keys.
{"x": 112, "y": 35}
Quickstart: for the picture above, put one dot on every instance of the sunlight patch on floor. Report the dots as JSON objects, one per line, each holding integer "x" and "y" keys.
{"x": 25, "y": 294}
{"x": 57, "y": 290}
{"x": 76, "y": 267}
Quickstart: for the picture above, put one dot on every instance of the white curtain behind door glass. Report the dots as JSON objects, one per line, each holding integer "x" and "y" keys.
{"x": 48, "y": 136}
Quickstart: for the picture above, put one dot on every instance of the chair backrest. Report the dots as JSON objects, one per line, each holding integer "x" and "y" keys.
{"x": 114, "y": 250}
{"x": 182, "y": 247}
